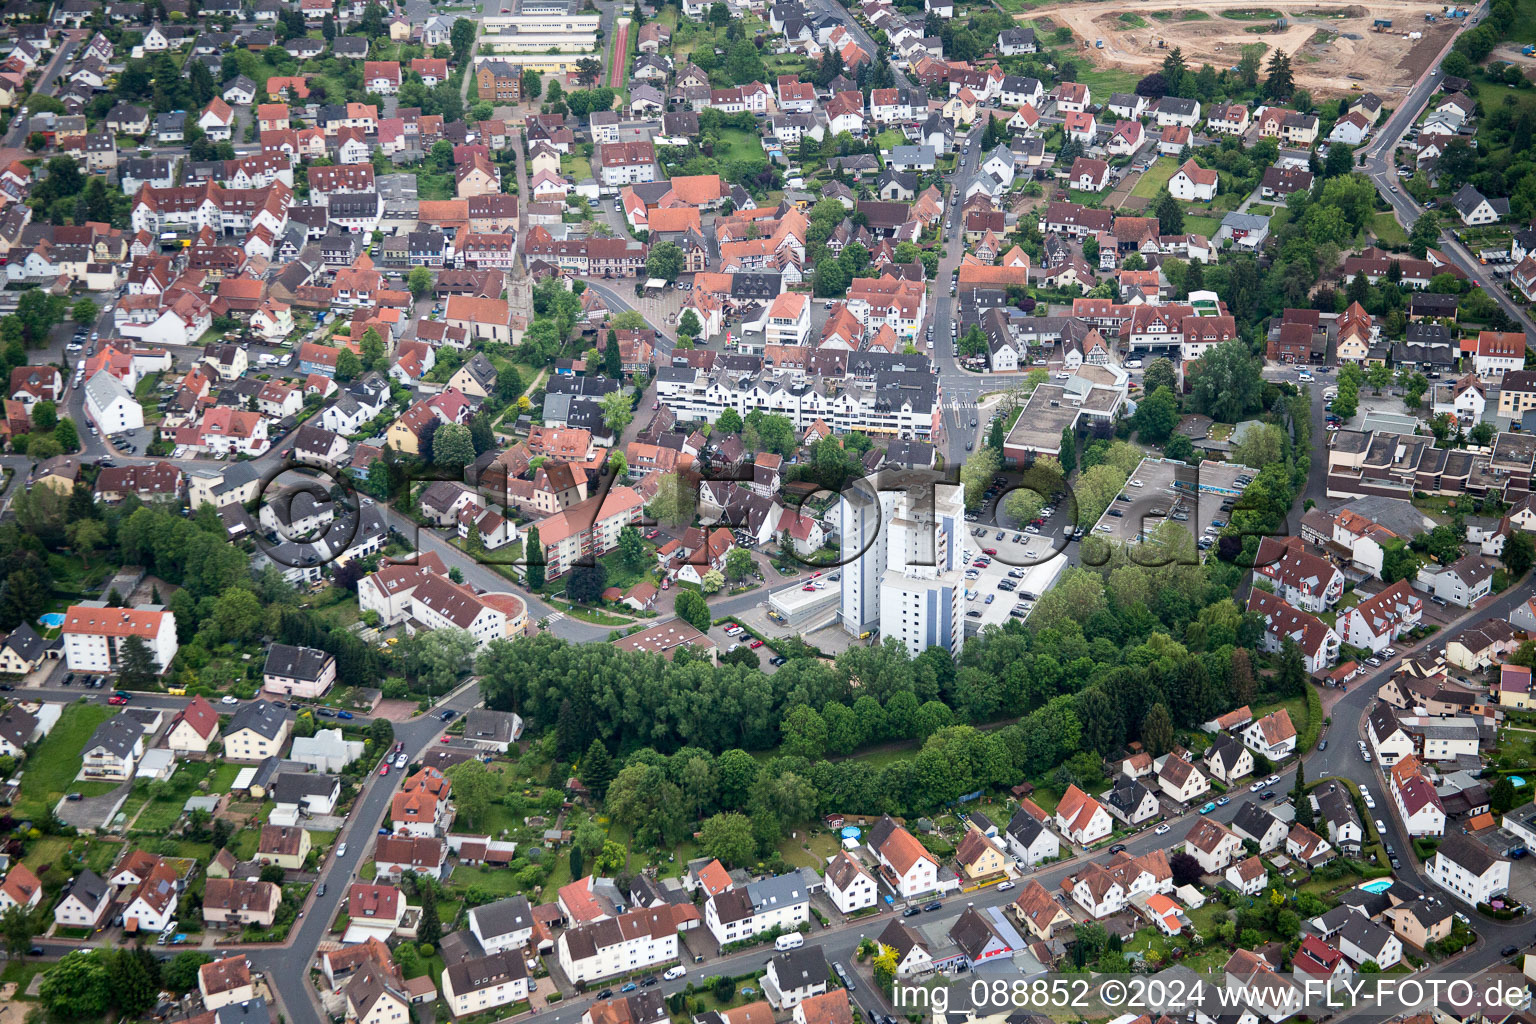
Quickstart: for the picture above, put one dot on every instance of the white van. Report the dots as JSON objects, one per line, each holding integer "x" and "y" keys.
{"x": 794, "y": 940}
{"x": 673, "y": 973}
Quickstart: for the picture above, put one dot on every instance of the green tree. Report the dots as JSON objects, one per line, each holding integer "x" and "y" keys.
{"x": 728, "y": 837}
{"x": 1291, "y": 676}
{"x": 665, "y": 261}
{"x": 586, "y": 583}
{"x": 1281, "y": 82}
{"x": 597, "y": 769}
{"x": 1225, "y": 383}
{"x": 1068, "y": 451}
{"x": 372, "y": 348}
{"x": 805, "y": 733}
{"x": 1160, "y": 374}
{"x": 1157, "y": 416}
{"x": 632, "y": 548}
{"x": 532, "y": 84}
{"x": 430, "y": 930}
{"x": 84, "y": 312}
{"x": 1157, "y": 731}
{"x": 461, "y": 37}
{"x": 1398, "y": 562}
{"x": 739, "y": 563}
{"x": 475, "y": 789}
{"x": 45, "y": 416}
{"x": 617, "y": 411}
{"x": 65, "y": 435}
{"x": 348, "y": 366}
{"x": 729, "y": 422}
{"x": 1519, "y": 552}
{"x": 452, "y": 446}
{"x": 78, "y": 987}
{"x": 1170, "y": 215}
{"x": 137, "y": 664}
{"x": 180, "y": 972}
{"x": 1502, "y": 797}
{"x": 533, "y": 559}
{"x": 18, "y": 927}
{"x": 692, "y": 609}
{"x": 419, "y": 280}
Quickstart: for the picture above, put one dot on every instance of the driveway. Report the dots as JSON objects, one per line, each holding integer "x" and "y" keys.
{"x": 93, "y": 813}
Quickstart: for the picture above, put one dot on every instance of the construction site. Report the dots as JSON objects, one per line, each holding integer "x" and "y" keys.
{"x": 1381, "y": 46}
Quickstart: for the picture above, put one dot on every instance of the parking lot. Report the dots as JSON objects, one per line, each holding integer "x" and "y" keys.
{"x": 1006, "y": 583}
{"x": 1200, "y": 497}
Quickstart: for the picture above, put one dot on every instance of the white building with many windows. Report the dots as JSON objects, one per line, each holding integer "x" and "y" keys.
{"x": 94, "y": 635}
{"x": 1467, "y": 870}
{"x": 781, "y": 902}
{"x": 849, "y": 886}
{"x": 623, "y": 944}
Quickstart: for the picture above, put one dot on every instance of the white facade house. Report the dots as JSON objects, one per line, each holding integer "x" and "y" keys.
{"x": 620, "y": 945}
{"x": 478, "y": 984}
{"x": 84, "y": 903}
{"x": 1029, "y": 840}
{"x": 94, "y": 635}
{"x": 849, "y": 886}
{"x": 1193, "y": 183}
{"x": 1364, "y": 941}
{"x": 1213, "y": 845}
{"x": 795, "y": 976}
{"x": 505, "y": 924}
{"x": 110, "y": 405}
{"x": 1378, "y": 621}
{"x": 781, "y": 902}
{"x": 906, "y": 863}
{"x": 1081, "y": 818}
{"x": 1466, "y": 870}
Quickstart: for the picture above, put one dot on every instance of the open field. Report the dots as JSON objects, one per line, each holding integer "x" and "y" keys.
{"x": 1318, "y": 36}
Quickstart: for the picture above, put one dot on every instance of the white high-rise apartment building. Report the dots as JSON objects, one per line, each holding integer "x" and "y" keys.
{"x": 905, "y": 579}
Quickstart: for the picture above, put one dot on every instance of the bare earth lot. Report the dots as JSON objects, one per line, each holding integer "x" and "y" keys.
{"x": 1324, "y": 58}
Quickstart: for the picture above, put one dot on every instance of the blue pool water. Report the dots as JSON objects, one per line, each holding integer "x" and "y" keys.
{"x": 52, "y": 619}
{"x": 1377, "y": 885}
{"x": 1516, "y": 780}
{"x": 850, "y": 832}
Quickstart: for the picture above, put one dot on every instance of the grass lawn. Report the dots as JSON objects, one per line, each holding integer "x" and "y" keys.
{"x": 242, "y": 845}
{"x": 1524, "y": 28}
{"x": 1387, "y": 230}
{"x": 577, "y": 168}
{"x": 621, "y": 575}
{"x": 1017, "y": 6}
{"x": 21, "y": 972}
{"x": 47, "y": 850}
{"x": 51, "y": 769}
{"x": 1106, "y": 80}
{"x": 1131, "y": 20}
{"x": 823, "y": 846}
{"x": 1207, "y": 226}
{"x": 735, "y": 144}
{"x": 1154, "y": 178}
{"x": 165, "y": 804}
{"x": 1226, "y": 202}
{"x": 891, "y": 139}
{"x": 496, "y": 880}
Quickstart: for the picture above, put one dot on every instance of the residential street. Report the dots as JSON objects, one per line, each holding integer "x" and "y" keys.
{"x": 1379, "y": 167}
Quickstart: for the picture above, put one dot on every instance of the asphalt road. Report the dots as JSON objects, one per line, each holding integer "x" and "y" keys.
{"x": 1379, "y": 167}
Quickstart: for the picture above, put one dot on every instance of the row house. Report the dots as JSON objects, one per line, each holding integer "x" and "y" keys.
{"x": 624, "y": 944}
{"x": 1318, "y": 642}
